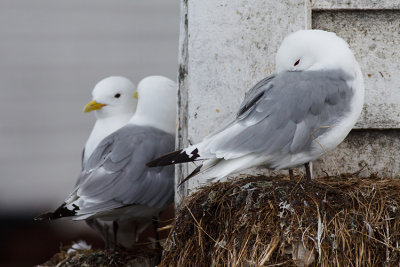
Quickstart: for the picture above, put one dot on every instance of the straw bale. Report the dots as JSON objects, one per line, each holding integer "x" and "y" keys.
{"x": 270, "y": 221}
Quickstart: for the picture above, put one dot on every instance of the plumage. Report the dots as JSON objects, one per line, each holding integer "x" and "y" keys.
{"x": 290, "y": 118}
{"x": 294, "y": 110}
{"x": 115, "y": 176}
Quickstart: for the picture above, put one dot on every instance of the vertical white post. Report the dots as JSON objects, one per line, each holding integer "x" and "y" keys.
{"x": 182, "y": 101}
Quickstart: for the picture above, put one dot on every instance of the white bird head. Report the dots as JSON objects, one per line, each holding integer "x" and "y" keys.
{"x": 157, "y": 103}
{"x": 113, "y": 96}
{"x": 314, "y": 50}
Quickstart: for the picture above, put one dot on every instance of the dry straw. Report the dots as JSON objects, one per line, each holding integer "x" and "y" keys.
{"x": 139, "y": 256}
{"x": 263, "y": 221}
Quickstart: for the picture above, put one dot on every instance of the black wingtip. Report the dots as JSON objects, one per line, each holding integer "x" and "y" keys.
{"x": 167, "y": 159}
{"x": 60, "y": 212}
{"x": 193, "y": 173}
{"x": 45, "y": 216}
{"x": 174, "y": 158}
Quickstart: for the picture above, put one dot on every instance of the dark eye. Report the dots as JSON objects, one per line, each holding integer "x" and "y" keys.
{"x": 117, "y": 95}
{"x": 296, "y": 63}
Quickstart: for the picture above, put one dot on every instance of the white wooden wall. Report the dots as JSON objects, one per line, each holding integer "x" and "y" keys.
{"x": 226, "y": 46}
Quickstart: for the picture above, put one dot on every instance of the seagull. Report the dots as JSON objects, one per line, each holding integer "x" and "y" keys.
{"x": 114, "y": 101}
{"x": 287, "y": 119}
{"x": 115, "y": 184}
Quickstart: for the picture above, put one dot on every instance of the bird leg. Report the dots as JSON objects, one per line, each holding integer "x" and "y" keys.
{"x": 102, "y": 229}
{"x": 104, "y": 232}
{"x": 115, "y": 230}
{"x": 154, "y": 220}
{"x": 291, "y": 175}
{"x": 308, "y": 171}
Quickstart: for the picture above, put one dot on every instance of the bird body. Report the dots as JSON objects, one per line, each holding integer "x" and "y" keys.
{"x": 290, "y": 118}
{"x": 115, "y": 177}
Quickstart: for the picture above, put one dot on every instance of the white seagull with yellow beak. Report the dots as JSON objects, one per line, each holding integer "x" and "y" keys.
{"x": 114, "y": 103}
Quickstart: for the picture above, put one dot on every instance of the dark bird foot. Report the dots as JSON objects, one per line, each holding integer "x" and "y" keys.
{"x": 308, "y": 172}
{"x": 291, "y": 175}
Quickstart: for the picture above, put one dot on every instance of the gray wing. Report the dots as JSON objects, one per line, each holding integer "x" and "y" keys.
{"x": 116, "y": 175}
{"x": 285, "y": 112}
{"x": 254, "y": 95}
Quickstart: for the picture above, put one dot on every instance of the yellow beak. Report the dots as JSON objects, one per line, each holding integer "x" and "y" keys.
{"x": 136, "y": 95}
{"x": 93, "y": 105}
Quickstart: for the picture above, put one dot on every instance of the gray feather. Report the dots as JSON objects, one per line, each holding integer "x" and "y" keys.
{"x": 116, "y": 176}
{"x": 294, "y": 108}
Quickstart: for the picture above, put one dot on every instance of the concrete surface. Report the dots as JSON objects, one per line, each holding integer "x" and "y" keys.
{"x": 377, "y": 51}
{"x": 371, "y": 151}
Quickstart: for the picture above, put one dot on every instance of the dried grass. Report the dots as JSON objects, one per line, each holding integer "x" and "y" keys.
{"x": 140, "y": 256}
{"x": 263, "y": 221}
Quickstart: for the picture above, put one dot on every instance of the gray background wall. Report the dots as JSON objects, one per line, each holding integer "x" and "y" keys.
{"x": 52, "y": 53}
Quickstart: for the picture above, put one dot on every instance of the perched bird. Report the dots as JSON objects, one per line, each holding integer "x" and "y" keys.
{"x": 114, "y": 103}
{"x": 115, "y": 184}
{"x": 290, "y": 118}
